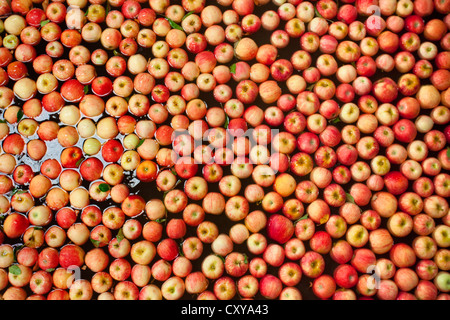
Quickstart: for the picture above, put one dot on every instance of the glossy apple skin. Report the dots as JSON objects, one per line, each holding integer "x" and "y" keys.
{"x": 15, "y": 225}
{"x": 395, "y": 182}
{"x": 71, "y": 255}
{"x": 280, "y": 228}
{"x": 405, "y": 131}
{"x": 385, "y": 90}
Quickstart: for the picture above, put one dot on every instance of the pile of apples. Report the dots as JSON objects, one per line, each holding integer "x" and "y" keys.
{"x": 229, "y": 149}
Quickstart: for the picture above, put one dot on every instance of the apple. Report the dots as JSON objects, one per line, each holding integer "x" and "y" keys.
{"x": 321, "y": 242}
{"x": 270, "y": 286}
{"x": 402, "y": 255}
{"x": 306, "y": 191}
{"x": 318, "y": 211}
{"x": 15, "y": 225}
{"x": 345, "y": 276}
{"x": 269, "y": 91}
{"x": 385, "y": 90}
{"x": 273, "y": 254}
{"x": 20, "y": 278}
{"x": 441, "y": 281}
{"x": 225, "y": 288}
{"x": 312, "y": 264}
{"x": 380, "y": 241}
{"x": 235, "y": 264}
{"x": 400, "y": 224}
{"x": 362, "y": 259}
{"x": 71, "y": 255}
{"x": 248, "y": 286}
{"x": 377, "y": 181}
{"x": 341, "y": 252}
{"x": 395, "y": 182}
{"x": 336, "y": 226}
{"x": 324, "y": 286}
{"x": 388, "y": 290}
{"x": 425, "y": 290}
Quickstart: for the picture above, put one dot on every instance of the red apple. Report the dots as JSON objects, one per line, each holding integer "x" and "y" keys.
{"x": 279, "y": 228}
{"x": 395, "y": 182}
{"x": 346, "y": 276}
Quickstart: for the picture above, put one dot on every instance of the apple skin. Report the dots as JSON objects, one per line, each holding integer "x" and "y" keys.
{"x": 21, "y": 7}
{"x": 405, "y": 131}
{"x": 48, "y": 258}
{"x": 341, "y": 252}
{"x": 406, "y": 279}
{"x": 235, "y": 264}
{"x": 270, "y": 286}
{"x": 345, "y": 276}
{"x": 362, "y": 259}
{"x": 347, "y": 13}
{"x": 91, "y": 169}
{"x": 112, "y": 151}
{"x": 102, "y": 86}
{"x": 133, "y": 205}
{"x": 321, "y": 242}
{"x": 147, "y": 171}
{"x": 380, "y": 241}
{"x": 312, "y": 264}
{"x": 308, "y": 142}
{"x": 396, "y": 183}
{"x": 14, "y": 144}
{"x": 71, "y": 157}
{"x": 246, "y": 49}
{"x": 385, "y": 90}
{"x": 186, "y": 167}
{"x": 15, "y": 225}
{"x": 5, "y": 8}
{"x": 402, "y": 255}
{"x": 279, "y": 228}
{"x": 168, "y": 249}
{"x": 71, "y": 255}
{"x": 72, "y": 91}
{"x": 269, "y": 91}
{"x": 426, "y": 290}
{"x": 324, "y": 286}
{"x": 23, "y": 174}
